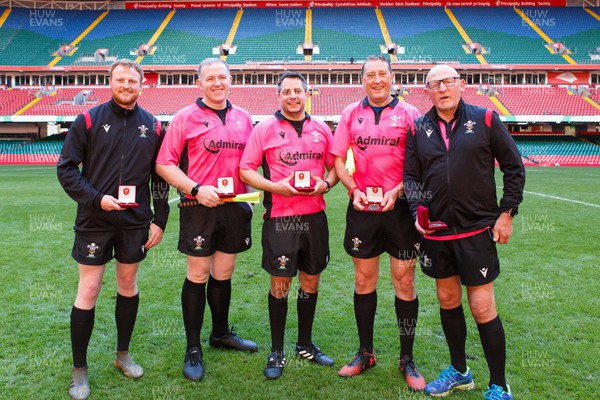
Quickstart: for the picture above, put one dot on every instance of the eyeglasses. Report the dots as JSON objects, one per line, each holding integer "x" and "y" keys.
{"x": 448, "y": 82}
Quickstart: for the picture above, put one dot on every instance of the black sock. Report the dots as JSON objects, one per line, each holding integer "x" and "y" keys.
{"x": 218, "y": 295}
{"x": 306, "y": 304}
{"x": 365, "y": 306}
{"x": 126, "y": 309}
{"x": 407, "y": 313}
{"x": 193, "y": 301}
{"x": 82, "y": 324}
{"x": 493, "y": 342}
{"x": 455, "y": 330}
{"x": 277, "y": 316}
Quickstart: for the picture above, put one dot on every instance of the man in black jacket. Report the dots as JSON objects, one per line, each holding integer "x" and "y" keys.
{"x": 449, "y": 169}
{"x": 116, "y": 143}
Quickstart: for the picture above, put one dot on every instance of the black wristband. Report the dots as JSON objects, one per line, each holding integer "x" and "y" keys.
{"x": 328, "y": 186}
{"x": 194, "y": 190}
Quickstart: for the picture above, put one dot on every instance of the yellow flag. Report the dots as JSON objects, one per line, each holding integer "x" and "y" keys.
{"x": 252, "y": 197}
{"x": 350, "y": 166}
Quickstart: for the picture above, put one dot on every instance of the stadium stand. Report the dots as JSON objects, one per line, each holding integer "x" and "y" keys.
{"x": 572, "y": 26}
{"x": 30, "y": 36}
{"x": 269, "y": 34}
{"x": 62, "y": 103}
{"x": 434, "y": 41}
{"x": 344, "y": 33}
{"x": 121, "y": 32}
{"x": 543, "y": 100}
{"x": 332, "y": 100}
{"x": 190, "y": 37}
{"x": 12, "y": 100}
{"x": 558, "y": 150}
{"x": 505, "y": 35}
{"x": 44, "y": 151}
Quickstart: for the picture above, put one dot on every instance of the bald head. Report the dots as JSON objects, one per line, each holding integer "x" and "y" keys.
{"x": 440, "y": 72}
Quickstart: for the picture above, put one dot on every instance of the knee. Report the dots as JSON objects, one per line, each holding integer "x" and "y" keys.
{"x": 406, "y": 284}
{"x": 449, "y": 300}
{"x": 88, "y": 292}
{"x": 483, "y": 311}
{"x": 310, "y": 285}
{"x": 198, "y": 276}
{"x": 280, "y": 287}
{"x": 127, "y": 285}
{"x": 364, "y": 285}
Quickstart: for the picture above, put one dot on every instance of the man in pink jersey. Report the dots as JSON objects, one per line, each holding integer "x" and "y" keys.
{"x": 293, "y": 150}
{"x": 200, "y": 156}
{"x": 378, "y": 218}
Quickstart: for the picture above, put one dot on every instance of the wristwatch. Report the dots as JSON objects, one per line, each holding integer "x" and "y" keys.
{"x": 511, "y": 212}
{"x": 194, "y": 190}
{"x": 328, "y": 187}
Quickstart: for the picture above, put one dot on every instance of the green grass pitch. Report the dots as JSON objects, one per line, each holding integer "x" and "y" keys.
{"x": 547, "y": 294}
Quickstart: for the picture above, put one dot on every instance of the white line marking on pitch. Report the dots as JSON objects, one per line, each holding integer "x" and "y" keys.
{"x": 559, "y": 198}
{"x": 563, "y": 199}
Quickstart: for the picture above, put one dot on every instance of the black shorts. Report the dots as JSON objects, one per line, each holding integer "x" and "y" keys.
{"x": 473, "y": 258}
{"x": 96, "y": 248}
{"x": 369, "y": 234}
{"x": 204, "y": 230}
{"x": 295, "y": 243}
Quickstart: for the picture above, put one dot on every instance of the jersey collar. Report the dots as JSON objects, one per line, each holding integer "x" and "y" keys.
{"x": 201, "y": 104}
{"x": 123, "y": 112}
{"x": 280, "y": 117}
{"x": 391, "y": 104}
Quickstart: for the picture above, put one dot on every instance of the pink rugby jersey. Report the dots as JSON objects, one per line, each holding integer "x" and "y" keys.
{"x": 378, "y": 145}
{"x": 205, "y": 148}
{"x": 276, "y": 146}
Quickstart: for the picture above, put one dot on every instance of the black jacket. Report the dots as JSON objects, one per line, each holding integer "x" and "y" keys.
{"x": 116, "y": 147}
{"x": 457, "y": 185}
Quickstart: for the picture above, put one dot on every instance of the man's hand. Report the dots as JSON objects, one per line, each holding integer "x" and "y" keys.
{"x": 391, "y": 196}
{"x": 421, "y": 230}
{"x": 503, "y": 228}
{"x": 359, "y": 200}
{"x": 109, "y": 203}
{"x": 320, "y": 185}
{"x": 284, "y": 188}
{"x": 208, "y": 196}
{"x": 156, "y": 235}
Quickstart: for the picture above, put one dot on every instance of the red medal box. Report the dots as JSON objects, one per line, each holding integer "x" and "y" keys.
{"x": 225, "y": 186}
{"x": 423, "y": 218}
{"x": 127, "y": 196}
{"x": 374, "y": 198}
{"x": 302, "y": 181}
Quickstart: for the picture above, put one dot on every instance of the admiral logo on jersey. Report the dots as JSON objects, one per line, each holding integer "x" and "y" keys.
{"x": 291, "y": 158}
{"x": 215, "y": 147}
{"x": 364, "y": 142}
